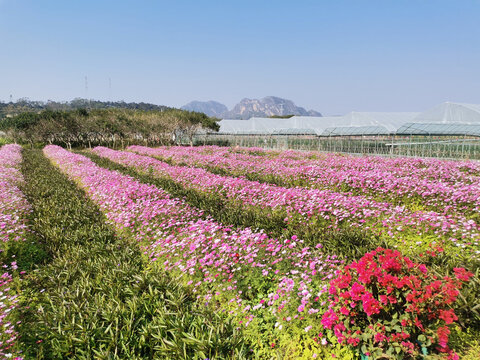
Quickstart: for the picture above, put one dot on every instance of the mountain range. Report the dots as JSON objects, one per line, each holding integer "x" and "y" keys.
{"x": 247, "y": 108}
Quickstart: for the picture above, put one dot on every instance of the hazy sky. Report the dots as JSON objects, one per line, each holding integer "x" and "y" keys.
{"x": 333, "y": 56}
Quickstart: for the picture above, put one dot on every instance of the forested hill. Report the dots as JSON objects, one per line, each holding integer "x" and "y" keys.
{"x": 25, "y": 105}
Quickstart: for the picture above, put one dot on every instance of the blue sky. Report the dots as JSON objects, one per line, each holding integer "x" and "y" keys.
{"x": 333, "y": 56}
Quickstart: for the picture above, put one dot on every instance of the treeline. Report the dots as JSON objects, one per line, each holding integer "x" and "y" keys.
{"x": 24, "y": 105}
{"x": 109, "y": 127}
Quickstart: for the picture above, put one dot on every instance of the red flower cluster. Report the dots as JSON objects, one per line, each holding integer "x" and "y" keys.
{"x": 387, "y": 300}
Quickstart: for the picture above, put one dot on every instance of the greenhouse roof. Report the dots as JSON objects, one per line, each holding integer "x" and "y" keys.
{"x": 273, "y": 125}
{"x": 384, "y": 122}
{"x": 448, "y": 113}
{"x": 389, "y": 120}
{"x": 439, "y": 129}
{"x": 361, "y": 123}
{"x": 355, "y": 130}
{"x": 295, "y": 131}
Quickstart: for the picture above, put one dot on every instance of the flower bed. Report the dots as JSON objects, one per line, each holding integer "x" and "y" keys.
{"x": 14, "y": 209}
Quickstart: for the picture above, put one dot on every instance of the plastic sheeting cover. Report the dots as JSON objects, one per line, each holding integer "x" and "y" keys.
{"x": 446, "y": 113}
{"x": 389, "y": 121}
{"x": 439, "y": 129}
{"x": 356, "y": 130}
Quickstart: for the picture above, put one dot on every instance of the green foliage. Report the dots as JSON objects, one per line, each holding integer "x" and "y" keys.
{"x": 281, "y": 116}
{"x": 28, "y": 254}
{"x": 26, "y": 105}
{"x": 114, "y": 127}
{"x": 97, "y": 298}
{"x": 5, "y": 140}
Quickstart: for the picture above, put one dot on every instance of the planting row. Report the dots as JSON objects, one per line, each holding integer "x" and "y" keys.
{"x": 14, "y": 210}
{"x": 452, "y": 171}
{"x": 13, "y": 205}
{"x": 314, "y": 214}
{"x": 443, "y": 186}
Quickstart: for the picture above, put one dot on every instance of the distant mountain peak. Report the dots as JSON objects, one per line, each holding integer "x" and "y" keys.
{"x": 265, "y": 107}
{"x": 211, "y": 108}
{"x": 247, "y": 108}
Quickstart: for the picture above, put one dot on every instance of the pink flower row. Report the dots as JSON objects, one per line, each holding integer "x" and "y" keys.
{"x": 13, "y": 205}
{"x": 13, "y": 210}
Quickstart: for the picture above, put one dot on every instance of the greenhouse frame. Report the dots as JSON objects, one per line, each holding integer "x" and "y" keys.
{"x": 449, "y": 130}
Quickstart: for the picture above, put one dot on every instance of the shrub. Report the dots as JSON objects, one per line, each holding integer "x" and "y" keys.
{"x": 387, "y": 305}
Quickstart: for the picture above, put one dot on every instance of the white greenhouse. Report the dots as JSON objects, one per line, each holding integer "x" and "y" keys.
{"x": 449, "y": 130}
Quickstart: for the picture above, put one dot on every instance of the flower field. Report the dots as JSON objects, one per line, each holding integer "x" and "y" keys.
{"x": 310, "y": 213}
{"x": 444, "y": 186}
{"x": 237, "y": 253}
